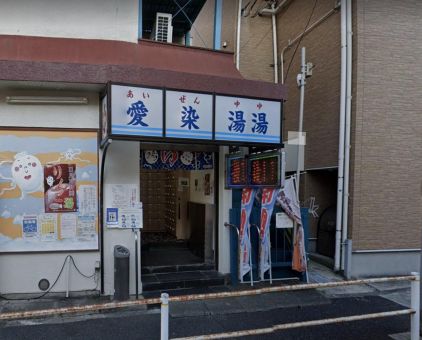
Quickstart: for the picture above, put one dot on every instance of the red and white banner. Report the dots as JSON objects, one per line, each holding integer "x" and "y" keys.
{"x": 267, "y": 205}
{"x": 248, "y": 195}
{"x": 288, "y": 200}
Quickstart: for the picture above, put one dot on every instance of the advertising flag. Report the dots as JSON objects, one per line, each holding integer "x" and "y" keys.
{"x": 248, "y": 195}
{"x": 267, "y": 205}
{"x": 288, "y": 200}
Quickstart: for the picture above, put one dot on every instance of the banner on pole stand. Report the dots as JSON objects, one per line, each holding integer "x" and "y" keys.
{"x": 269, "y": 196}
{"x": 287, "y": 198}
{"x": 248, "y": 195}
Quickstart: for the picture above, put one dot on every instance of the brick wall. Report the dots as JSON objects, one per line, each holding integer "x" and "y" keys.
{"x": 321, "y": 109}
{"x": 387, "y": 124}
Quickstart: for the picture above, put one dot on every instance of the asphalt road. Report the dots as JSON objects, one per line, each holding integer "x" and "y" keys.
{"x": 146, "y": 324}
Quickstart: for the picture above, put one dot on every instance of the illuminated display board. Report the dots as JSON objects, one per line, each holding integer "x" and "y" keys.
{"x": 264, "y": 170}
{"x": 260, "y": 170}
{"x": 236, "y": 171}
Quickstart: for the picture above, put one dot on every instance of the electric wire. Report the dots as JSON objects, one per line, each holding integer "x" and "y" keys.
{"x": 300, "y": 40}
{"x": 55, "y": 281}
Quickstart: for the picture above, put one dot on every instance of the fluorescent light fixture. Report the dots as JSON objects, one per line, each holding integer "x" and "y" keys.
{"x": 46, "y": 100}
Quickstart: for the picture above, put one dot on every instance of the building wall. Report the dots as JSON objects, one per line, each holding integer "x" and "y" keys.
{"x": 20, "y": 273}
{"x": 387, "y": 150}
{"x": 322, "y": 92}
{"x": 87, "y": 19}
{"x": 202, "y": 35}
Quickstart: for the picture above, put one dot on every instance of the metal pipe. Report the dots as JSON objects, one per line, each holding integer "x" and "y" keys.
{"x": 274, "y": 25}
{"x": 131, "y": 303}
{"x": 164, "y": 316}
{"x": 103, "y": 158}
{"x": 340, "y": 176}
{"x": 415, "y": 305}
{"x": 68, "y": 276}
{"x": 347, "y": 128}
{"x": 292, "y": 325}
{"x": 293, "y": 41}
{"x": 239, "y": 19}
{"x": 274, "y": 10}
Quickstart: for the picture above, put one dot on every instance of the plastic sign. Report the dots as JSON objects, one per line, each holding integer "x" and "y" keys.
{"x": 189, "y": 115}
{"x": 247, "y": 120}
{"x": 136, "y": 111}
{"x": 283, "y": 221}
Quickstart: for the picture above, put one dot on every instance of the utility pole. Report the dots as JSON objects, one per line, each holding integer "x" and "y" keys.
{"x": 305, "y": 72}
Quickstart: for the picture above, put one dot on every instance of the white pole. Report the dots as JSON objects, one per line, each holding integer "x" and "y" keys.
{"x": 415, "y": 305}
{"x": 302, "y": 83}
{"x": 269, "y": 255}
{"x": 347, "y": 129}
{"x": 274, "y": 24}
{"x": 239, "y": 19}
{"x": 68, "y": 277}
{"x": 340, "y": 180}
{"x": 250, "y": 253}
{"x": 164, "y": 316}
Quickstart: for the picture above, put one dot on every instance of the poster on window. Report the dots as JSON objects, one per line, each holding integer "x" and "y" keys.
{"x": 60, "y": 188}
{"x": 41, "y": 175}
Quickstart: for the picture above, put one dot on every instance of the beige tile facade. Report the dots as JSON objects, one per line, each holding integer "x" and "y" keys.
{"x": 387, "y": 124}
{"x": 385, "y": 207}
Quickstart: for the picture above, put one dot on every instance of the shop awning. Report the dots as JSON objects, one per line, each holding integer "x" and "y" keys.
{"x": 87, "y": 61}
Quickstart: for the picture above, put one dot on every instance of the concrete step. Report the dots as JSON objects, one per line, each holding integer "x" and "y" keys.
{"x": 176, "y": 268}
{"x": 182, "y": 279}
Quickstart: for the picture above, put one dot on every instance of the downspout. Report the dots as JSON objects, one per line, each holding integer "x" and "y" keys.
{"x": 347, "y": 131}
{"x": 239, "y": 18}
{"x": 340, "y": 179}
{"x": 274, "y": 24}
{"x": 139, "y": 19}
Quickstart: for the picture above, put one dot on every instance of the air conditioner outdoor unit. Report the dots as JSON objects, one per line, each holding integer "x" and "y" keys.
{"x": 163, "y": 30}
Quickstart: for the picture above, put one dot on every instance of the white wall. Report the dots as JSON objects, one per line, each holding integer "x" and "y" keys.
{"x": 20, "y": 273}
{"x": 60, "y": 116}
{"x": 86, "y": 19}
{"x": 121, "y": 167}
{"x": 224, "y": 205}
{"x": 197, "y": 193}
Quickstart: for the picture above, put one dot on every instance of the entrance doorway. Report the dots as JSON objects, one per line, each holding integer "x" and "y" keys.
{"x": 177, "y": 192}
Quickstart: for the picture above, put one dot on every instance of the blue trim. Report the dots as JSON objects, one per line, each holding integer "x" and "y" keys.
{"x": 189, "y": 135}
{"x": 187, "y": 38}
{"x": 218, "y": 14}
{"x": 190, "y": 131}
{"x": 134, "y": 127}
{"x": 247, "y": 135}
{"x": 139, "y": 19}
{"x": 136, "y": 133}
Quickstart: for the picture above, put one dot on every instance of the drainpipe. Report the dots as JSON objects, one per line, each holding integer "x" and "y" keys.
{"x": 239, "y": 18}
{"x": 274, "y": 24}
{"x": 347, "y": 131}
{"x": 340, "y": 180}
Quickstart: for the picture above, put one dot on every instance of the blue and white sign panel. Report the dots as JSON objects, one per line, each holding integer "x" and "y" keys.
{"x": 247, "y": 120}
{"x": 136, "y": 111}
{"x": 189, "y": 115}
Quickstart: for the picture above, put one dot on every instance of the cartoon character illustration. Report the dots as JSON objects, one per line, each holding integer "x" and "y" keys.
{"x": 151, "y": 156}
{"x": 186, "y": 158}
{"x": 27, "y": 174}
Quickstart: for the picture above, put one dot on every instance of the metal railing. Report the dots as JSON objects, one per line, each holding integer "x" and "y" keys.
{"x": 165, "y": 300}
{"x": 414, "y": 311}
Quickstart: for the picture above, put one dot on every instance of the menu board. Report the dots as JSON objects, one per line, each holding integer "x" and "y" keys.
{"x": 264, "y": 170}
{"x": 236, "y": 171}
